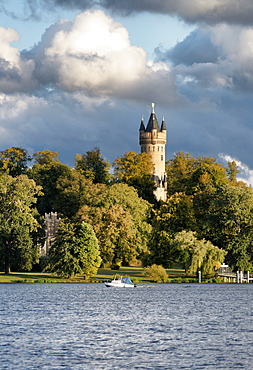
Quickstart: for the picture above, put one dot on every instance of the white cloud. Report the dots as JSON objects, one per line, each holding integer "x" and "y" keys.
{"x": 91, "y": 32}
{"x": 13, "y": 106}
{"x": 10, "y": 54}
{"x": 15, "y": 73}
{"x": 245, "y": 175}
{"x": 92, "y": 54}
{"x": 214, "y": 58}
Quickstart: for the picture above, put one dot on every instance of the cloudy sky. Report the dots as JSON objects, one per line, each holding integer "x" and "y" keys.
{"x": 75, "y": 74}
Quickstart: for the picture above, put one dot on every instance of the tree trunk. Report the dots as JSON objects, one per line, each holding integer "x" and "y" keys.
{"x": 7, "y": 265}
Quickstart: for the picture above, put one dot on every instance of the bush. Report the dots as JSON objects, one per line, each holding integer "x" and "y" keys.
{"x": 115, "y": 267}
{"x": 156, "y": 273}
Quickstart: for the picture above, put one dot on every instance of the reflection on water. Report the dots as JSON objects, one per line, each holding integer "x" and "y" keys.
{"x": 154, "y": 326}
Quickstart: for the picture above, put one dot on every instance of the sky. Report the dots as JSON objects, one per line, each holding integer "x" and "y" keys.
{"x": 79, "y": 74}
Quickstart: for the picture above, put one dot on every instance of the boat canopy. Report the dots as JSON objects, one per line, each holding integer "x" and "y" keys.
{"x": 127, "y": 280}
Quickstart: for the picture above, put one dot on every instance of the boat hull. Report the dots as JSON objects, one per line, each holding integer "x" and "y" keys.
{"x": 119, "y": 285}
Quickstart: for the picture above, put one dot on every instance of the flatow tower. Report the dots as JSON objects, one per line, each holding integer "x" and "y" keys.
{"x": 153, "y": 141}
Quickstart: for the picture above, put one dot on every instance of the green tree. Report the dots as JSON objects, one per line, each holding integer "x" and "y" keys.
{"x": 17, "y": 222}
{"x": 46, "y": 175}
{"x": 191, "y": 175}
{"x": 13, "y": 161}
{"x": 45, "y": 157}
{"x": 93, "y": 166}
{"x": 232, "y": 172}
{"x": 226, "y": 217}
{"x": 136, "y": 170}
{"x": 207, "y": 176}
{"x": 176, "y": 214}
{"x": 161, "y": 252}
{"x": 156, "y": 273}
{"x": 119, "y": 241}
{"x": 119, "y": 217}
{"x": 75, "y": 192}
{"x": 197, "y": 254}
{"x": 179, "y": 170}
{"x": 75, "y": 251}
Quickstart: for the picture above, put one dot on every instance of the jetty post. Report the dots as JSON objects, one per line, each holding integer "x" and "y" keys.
{"x": 248, "y": 277}
{"x": 199, "y": 276}
{"x": 237, "y": 277}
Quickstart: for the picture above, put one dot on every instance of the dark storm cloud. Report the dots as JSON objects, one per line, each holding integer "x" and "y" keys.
{"x": 192, "y": 11}
{"x": 212, "y": 11}
{"x": 195, "y": 48}
{"x": 80, "y": 4}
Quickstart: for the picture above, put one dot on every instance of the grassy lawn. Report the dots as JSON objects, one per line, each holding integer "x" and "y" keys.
{"x": 26, "y": 277}
{"x": 135, "y": 273}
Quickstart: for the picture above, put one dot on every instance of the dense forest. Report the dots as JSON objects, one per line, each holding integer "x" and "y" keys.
{"x": 109, "y": 216}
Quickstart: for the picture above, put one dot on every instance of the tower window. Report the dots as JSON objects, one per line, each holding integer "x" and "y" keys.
{"x": 161, "y": 157}
{"x": 161, "y": 148}
{"x": 158, "y": 148}
{"x": 153, "y": 148}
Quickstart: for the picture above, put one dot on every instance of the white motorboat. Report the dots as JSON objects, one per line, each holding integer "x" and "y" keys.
{"x": 121, "y": 282}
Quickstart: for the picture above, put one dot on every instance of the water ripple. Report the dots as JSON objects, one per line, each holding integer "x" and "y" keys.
{"x": 155, "y": 326}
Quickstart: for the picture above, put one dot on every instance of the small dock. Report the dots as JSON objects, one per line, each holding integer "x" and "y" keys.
{"x": 234, "y": 277}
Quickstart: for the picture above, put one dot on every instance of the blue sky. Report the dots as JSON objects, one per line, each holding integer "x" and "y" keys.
{"x": 81, "y": 75}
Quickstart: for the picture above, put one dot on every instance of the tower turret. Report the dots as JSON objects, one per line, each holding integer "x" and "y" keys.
{"x": 142, "y": 127}
{"x": 153, "y": 141}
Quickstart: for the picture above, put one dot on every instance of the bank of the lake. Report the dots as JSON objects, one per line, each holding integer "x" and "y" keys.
{"x": 136, "y": 273}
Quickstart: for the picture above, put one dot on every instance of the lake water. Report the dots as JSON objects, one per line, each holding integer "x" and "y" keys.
{"x": 153, "y": 326}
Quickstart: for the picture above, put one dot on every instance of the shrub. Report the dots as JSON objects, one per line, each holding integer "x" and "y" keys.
{"x": 115, "y": 267}
{"x": 156, "y": 273}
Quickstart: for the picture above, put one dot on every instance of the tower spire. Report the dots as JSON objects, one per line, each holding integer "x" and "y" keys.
{"x": 152, "y": 123}
{"x": 142, "y": 127}
{"x": 163, "y": 126}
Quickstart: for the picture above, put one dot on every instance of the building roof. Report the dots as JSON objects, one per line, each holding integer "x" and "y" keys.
{"x": 163, "y": 127}
{"x": 152, "y": 123}
{"x": 142, "y": 127}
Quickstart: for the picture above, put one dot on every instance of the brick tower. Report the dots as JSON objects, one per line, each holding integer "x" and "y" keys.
{"x": 153, "y": 141}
